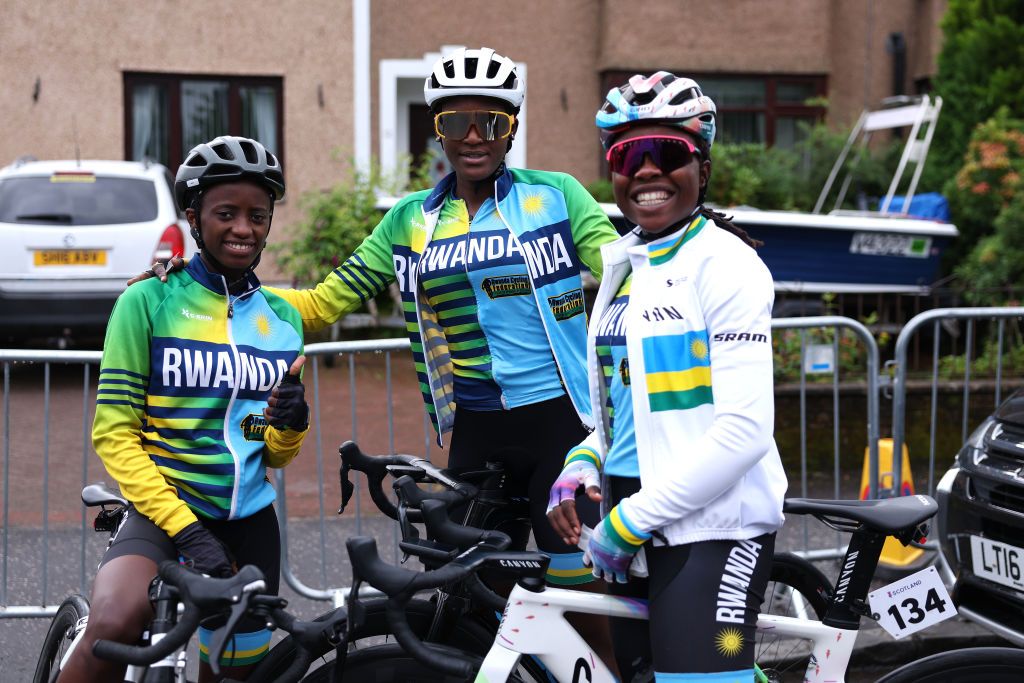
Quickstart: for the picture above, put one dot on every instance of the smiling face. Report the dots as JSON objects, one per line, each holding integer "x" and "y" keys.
{"x": 234, "y": 223}
{"x": 473, "y": 158}
{"x": 655, "y": 200}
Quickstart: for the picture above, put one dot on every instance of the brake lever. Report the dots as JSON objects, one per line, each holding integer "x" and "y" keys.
{"x": 347, "y": 487}
{"x": 221, "y": 636}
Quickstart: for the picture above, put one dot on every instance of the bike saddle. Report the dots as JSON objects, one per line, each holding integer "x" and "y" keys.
{"x": 888, "y": 515}
{"x": 101, "y": 494}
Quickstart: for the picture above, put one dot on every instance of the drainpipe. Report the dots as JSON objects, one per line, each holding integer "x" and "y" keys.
{"x": 361, "y": 82}
{"x": 897, "y": 47}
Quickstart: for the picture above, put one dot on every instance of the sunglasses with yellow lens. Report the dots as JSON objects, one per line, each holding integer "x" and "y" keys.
{"x": 490, "y": 125}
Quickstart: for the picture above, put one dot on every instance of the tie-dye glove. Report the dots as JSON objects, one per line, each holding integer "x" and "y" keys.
{"x": 582, "y": 468}
{"x": 612, "y": 547}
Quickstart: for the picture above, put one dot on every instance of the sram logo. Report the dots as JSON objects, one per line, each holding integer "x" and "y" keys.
{"x": 739, "y": 336}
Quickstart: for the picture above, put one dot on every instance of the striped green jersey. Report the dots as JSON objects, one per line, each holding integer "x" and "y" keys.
{"x": 186, "y": 372}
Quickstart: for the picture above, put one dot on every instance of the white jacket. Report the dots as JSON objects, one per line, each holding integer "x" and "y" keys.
{"x": 709, "y": 467}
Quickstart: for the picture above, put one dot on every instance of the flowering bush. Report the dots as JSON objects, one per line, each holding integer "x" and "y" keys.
{"x": 985, "y": 197}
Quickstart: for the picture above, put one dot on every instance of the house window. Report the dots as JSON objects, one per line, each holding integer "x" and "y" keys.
{"x": 166, "y": 115}
{"x": 759, "y": 109}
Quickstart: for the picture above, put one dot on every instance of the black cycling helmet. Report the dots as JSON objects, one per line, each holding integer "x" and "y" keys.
{"x": 225, "y": 159}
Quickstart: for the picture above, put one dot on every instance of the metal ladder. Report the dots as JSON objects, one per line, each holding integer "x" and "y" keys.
{"x": 920, "y": 113}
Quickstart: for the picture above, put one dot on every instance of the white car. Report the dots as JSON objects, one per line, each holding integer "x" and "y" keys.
{"x": 72, "y": 233}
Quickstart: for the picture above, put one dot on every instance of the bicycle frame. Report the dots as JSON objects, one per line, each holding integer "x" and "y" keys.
{"x": 534, "y": 624}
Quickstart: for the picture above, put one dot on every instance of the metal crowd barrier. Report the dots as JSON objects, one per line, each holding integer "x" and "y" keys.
{"x": 936, "y": 317}
{"x": 323, "y": 407}
{"x": 871, "y": 370}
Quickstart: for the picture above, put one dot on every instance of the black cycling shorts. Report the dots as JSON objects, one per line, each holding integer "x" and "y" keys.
{"x": 531, "y": 443}
{"x": 703, "y": 600}
{"x": 253, "y": 540}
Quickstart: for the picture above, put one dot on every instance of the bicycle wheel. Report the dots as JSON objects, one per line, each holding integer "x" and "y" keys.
{"x": 386, "y": 664}
{"x": 469, "y": 635}
{"x": 796, "y": 589}
{"x": 969, "y": 665}
{"x": 59, "y": 637}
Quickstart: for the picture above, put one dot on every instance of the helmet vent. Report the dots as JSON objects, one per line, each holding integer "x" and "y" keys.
{"x": 449, "y": 69}
{"x": 685, "y": 96}
{"x": 250, "y": 152}
{"x": 221, "y": 169}
{"x": 195, "y": 160}
{"x": 223, "y": 151}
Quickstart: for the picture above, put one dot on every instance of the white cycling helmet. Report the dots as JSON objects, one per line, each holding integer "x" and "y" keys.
{"x": 662, "y": 98}
{"x": 481, "y": 73}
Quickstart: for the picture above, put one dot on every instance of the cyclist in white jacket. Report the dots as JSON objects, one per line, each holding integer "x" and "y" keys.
{"x": 680, "y": 362}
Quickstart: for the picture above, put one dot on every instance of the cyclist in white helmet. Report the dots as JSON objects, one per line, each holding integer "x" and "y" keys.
{"x": 489, "y": 266}
{"x": 680, "y": 358}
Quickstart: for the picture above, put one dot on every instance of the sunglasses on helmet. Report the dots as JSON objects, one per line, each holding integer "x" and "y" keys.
{"x": 490, "y": 125}
{"x": 667, "y": 153}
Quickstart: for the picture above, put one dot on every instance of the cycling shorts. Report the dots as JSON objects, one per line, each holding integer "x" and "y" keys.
{"x": 703, "y": 600}
{"x": 252, "y": 540}
{"x": 531, "y": 443}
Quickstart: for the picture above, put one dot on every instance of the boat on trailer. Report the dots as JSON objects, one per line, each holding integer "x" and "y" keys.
{"x": 844, "y": 251}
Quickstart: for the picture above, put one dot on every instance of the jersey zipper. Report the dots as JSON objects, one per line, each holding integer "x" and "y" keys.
{"x": 231, "y": 402}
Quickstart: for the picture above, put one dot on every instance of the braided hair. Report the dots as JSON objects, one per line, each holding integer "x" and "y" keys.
{"x": 725, "y": 223}
{"x": 717, "y": 217}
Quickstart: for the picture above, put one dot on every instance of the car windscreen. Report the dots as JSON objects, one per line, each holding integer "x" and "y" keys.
{"x": 77, "y": 199}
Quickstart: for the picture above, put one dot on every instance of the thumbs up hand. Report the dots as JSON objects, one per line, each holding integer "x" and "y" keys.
{"x": 286, "y": 407}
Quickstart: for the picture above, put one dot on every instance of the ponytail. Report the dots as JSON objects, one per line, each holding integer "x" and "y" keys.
{"x": 725, "y": 223}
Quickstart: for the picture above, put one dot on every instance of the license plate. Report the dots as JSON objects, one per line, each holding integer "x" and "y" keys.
{"x": 71, "y": 257}
{"x": 998, "y": 562}
{"x": 885, "y": 244}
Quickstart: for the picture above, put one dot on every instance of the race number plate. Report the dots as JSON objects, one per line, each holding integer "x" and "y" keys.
{"x": 998, "y": 562}
{"x": 913, "y": 603}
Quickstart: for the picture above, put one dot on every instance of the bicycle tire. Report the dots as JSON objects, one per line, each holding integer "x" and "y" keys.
{"x": 969, "y": 665}
{"x": 59, "y": 637}
{"x": 796, "y": 588}
{"x": 386, "y": 664}
{"x": 469, "y": 635}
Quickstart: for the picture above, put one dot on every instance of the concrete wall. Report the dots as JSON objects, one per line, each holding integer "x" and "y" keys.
{"x": 79, "y": 51}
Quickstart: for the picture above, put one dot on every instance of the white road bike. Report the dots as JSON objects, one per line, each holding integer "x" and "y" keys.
{"x": 534, "y": 625}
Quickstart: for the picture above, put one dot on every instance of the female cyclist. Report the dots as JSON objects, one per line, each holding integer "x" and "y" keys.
{"x": 680, "y": 359}
{"x": 199, "y": 393}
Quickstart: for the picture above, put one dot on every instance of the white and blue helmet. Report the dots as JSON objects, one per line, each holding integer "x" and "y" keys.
{"x": 661, "y": 98}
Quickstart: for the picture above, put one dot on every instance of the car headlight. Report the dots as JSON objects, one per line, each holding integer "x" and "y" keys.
{"x": 973, "y": 451}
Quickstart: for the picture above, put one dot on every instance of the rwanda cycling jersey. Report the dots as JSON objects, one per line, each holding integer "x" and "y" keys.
{"x": 698, "y": 336}
{"x": 549, "y": 218}
{"x": 480, "y": 256}
{"x": 186, "y": 372}
{"x": 610, "y": 346}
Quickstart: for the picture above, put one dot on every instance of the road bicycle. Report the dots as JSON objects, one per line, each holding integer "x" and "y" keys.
{"x": 465, "y": 614}
{"x": 533, "y": 622}
{"x": 180, "y": 600}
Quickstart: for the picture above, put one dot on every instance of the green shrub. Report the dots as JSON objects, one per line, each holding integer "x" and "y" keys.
{"x": 988, "y": 204}
{"x": 337, "y": 220}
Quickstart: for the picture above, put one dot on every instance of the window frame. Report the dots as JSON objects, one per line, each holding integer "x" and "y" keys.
{"x": 172, "y": 85}
{"x": 772, "y": 109}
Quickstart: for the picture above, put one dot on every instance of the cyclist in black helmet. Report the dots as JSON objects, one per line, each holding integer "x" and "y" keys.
{"x": 199, "y": 393}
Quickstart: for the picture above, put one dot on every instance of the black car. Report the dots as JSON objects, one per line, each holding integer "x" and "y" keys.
{"x": 981, "y": 522}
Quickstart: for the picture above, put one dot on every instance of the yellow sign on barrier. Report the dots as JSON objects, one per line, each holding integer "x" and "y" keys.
{"x": 894, "y": 554}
